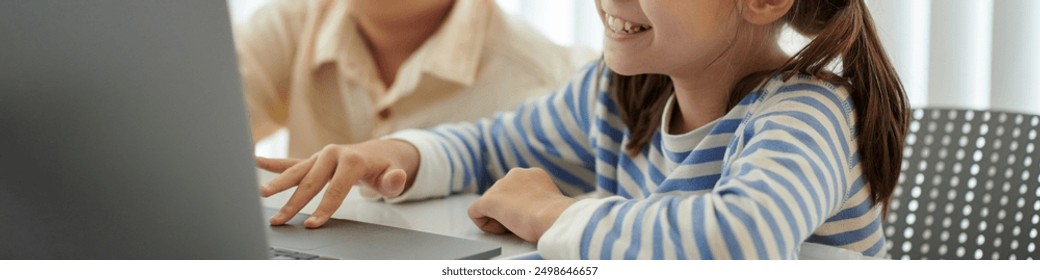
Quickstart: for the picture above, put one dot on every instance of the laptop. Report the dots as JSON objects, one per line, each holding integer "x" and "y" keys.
{"x": 123, "y": 135}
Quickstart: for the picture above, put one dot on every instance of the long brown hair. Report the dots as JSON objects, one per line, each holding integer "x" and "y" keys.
{"x": 841, "y": 29}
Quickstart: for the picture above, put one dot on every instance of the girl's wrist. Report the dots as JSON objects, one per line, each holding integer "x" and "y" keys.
{"x": 550, "y": 212}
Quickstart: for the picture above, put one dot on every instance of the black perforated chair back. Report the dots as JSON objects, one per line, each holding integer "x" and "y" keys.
{"x": 969, "y": 187}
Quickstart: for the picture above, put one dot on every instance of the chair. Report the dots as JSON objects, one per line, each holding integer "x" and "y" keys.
{"x": 969, "y": 187}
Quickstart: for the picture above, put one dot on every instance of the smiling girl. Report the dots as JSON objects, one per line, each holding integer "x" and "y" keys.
{"x": 695, "y": 137}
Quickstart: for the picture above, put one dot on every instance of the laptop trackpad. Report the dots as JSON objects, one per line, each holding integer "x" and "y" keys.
{"x": 346, "y": 239}
{"x": 293, "y": 235}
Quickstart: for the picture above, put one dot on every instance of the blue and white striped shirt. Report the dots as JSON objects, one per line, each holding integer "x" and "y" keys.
{"x": 779, "y": 169}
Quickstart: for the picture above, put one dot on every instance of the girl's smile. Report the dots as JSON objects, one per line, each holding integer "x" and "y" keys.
{"x": 623, "y": 23}
{"x": 624, "y": 27}
{"x": 665, "y": 36}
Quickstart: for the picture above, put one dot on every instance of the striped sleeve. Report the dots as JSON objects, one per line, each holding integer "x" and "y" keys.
{"x": 786, "y": 173}
{"x": 550, "y": 132}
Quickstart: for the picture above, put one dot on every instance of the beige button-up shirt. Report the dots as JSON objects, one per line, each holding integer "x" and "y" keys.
{"x": 306, "y": 68}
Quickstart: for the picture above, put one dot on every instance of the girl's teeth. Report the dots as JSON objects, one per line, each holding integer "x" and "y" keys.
{"x": 621, "y": 26}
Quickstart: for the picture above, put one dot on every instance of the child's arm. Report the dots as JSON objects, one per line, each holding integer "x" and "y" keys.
{"x": 551, "y": 132}
{"x": 789, "y": 172}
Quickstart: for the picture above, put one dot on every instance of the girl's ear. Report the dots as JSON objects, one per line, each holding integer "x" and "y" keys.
{"x": 764, "y": 12}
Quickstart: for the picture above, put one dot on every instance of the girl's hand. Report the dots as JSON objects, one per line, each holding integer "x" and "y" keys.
{"x": 525, "y": 202}
{"x": 383, "y": 165}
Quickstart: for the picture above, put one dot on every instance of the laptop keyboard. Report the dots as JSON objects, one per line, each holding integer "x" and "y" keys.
{"x": 282, "y": 254}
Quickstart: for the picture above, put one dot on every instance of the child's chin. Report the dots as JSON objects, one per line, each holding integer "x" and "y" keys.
{"x": 625, "y": 67}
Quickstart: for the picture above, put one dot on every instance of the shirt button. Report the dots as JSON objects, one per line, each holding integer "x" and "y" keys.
{"x": 384, "y": 114}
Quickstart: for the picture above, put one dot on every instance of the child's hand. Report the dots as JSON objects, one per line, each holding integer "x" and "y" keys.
{"x": 525, "y": 202}
{"x": 383, "y": 165}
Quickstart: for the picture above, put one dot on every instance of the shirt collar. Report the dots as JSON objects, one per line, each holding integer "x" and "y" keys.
{"x": 452, "y": 53}
{"x": 455, "y": 49}
{"x": 332, "y": 29}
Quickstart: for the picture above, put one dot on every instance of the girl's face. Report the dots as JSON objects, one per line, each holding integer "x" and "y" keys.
{"x": 666, "y": 36}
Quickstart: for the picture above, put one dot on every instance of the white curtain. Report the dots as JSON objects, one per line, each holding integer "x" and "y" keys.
{"x": 978, "y": 54}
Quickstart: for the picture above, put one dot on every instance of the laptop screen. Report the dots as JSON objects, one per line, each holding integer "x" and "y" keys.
{"x": 124, "y": 133}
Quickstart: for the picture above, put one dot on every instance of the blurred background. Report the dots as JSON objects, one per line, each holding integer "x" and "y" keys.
{"x": 979, "y": 54}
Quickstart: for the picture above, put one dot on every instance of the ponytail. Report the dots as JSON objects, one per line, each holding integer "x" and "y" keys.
{"x": 845, "y": 29}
